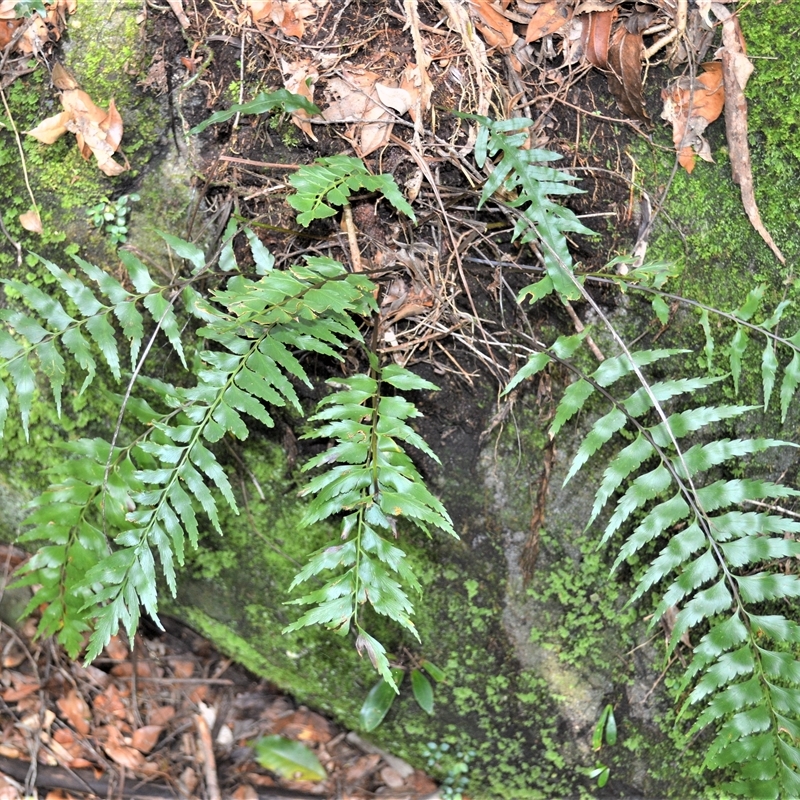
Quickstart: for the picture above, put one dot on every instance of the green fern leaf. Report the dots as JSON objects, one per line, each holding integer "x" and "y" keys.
{"x": 265, "y": 101}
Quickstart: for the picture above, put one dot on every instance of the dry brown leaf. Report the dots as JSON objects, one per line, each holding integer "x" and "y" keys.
{"x": 359, "y": 94}
{"x": 119, "y": 752}
{"x": 76, "y": 711}
{"x": 31, "y": 221}
{"x": 7, "y": 29}
{"x": 549, "y": 18}
{"x": 40, "y": 31}
{"x": 110, "y": 703}
{"x": 299, "y": 77}
{"x": 691, "y": 106}
{"x": 22, "y": 686}
{"x": 161, "y": 715}
{"x": 144, "y": 739}
{"x": 305, "y": 725}
{"x": 288, "y": 15}
{"x": 735, "y": 73}
{"x": 496, "y": 29}
{"x": 98, "y": 132}
{"x": 258, "y": 8}
{"x": 51, "y": 129}
{"x": 625, "y": 78}
{"x": 598, "y": 37}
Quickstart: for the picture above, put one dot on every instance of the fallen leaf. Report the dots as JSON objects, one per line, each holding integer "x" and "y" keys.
{"x": 735, "y": 73}
{"x": 549, "y": 18}
{"x": 288, "y": 15}
{"x": 76, "y": 711}
{"x": 7, "y": 29}
{"x": 98, "y": 132}
{"x": 51, "y": 129}
{"x": 691, "y": 106}
{"x": 496, "y": 29}
{"x": 31, "y": 221}
{"x": 598, "y": 37}
{"x": 119, "y": 752}
{"x": 625, "y": 78}
{"x": 144, "y": 739}
{"x": 299, "y": 77}
{"x": 161, "y": 715}
{"x": 359, "y": 94}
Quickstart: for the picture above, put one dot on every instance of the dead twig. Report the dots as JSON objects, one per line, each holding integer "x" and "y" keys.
{"x": 209, "y": 762}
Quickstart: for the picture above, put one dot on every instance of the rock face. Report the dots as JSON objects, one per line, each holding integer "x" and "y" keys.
{"x": 529, "y": 667}
{"x": 528, "y": 670}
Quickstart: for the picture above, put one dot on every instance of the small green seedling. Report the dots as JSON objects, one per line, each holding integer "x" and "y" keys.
{"x": 455, "y": 765}
{"x": 382, "y": 695}
{"x": 111, "y": 216}
{"x": 604, "y": 732}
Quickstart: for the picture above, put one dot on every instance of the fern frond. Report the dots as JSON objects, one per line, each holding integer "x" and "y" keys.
{"x": 520, "y": 174}
{"x": 79, "y": 336}
{"x": 328, "y": 182}
{"x": 718, "y": 568}
{"x": 373, "y": 483}
{"x": 124, "y": 509}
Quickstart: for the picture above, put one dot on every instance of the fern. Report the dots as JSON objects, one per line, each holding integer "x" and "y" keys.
{"x": 329, "y": 181}
{"x": 117, "y": 507}
{"x": 527, "y": 187}
{"x": 718, "y": 564}
{"x": 374, "y": 483}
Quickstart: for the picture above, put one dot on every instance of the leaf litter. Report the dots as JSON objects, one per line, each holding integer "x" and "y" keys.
{"x": 87, "y": 726}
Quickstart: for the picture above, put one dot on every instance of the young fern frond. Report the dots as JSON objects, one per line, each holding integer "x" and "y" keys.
{"x": 529, "y": 185}
{"x": 329, "y": 181}
{"x": 374, "y": 483}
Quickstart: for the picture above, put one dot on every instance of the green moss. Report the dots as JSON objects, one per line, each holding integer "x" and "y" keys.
{"x": 104, "y": 49}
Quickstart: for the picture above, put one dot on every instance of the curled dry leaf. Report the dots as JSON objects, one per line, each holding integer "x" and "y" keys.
{"x": 299, "y": 77}
{"x": 691, "y": 106}
{"x": 31, "y": 221}
{"x": 598, "y": 37}
{"x": 496, "y": 29}
{"x": 549, "y": 18}
{"x": 98, "y": 132}
{"x": 625, "y": 78}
